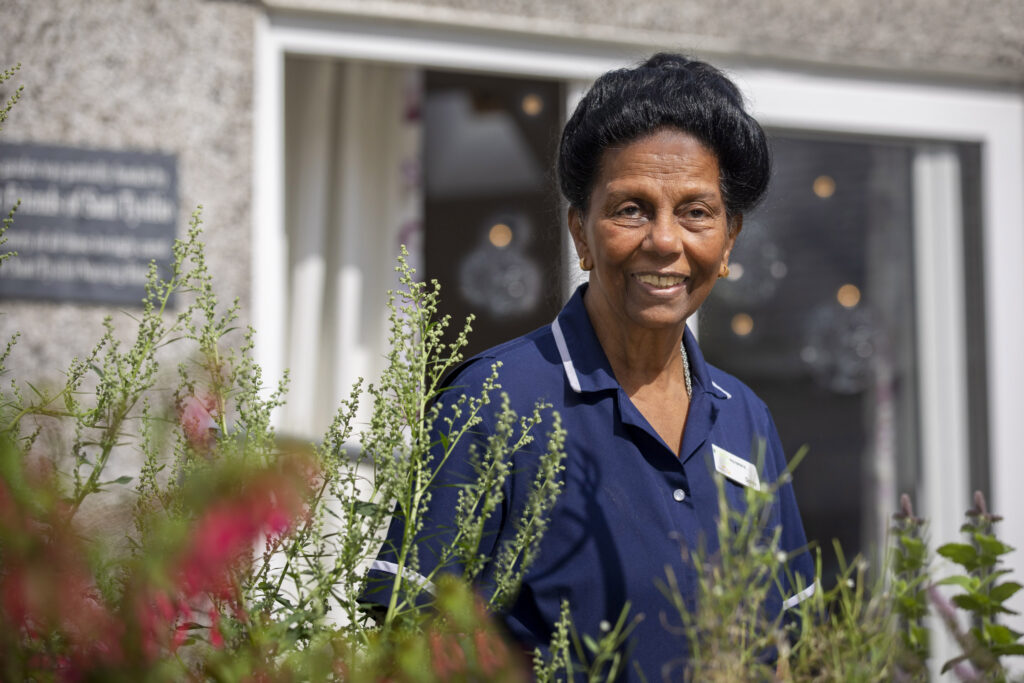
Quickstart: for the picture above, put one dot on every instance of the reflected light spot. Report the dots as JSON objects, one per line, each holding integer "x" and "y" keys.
{"x": 735, "y": 271}
{"x": 824, "y": 186}
{"x": 532, "y": 104}
{"x": 500, "y": 235}
{"x": 742, "y": 324}
{"x": 848, "y": 296}
{"x": 778, "y": 270}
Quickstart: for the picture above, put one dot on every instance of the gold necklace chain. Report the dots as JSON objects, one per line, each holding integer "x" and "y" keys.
{"x": 686, "y": 370}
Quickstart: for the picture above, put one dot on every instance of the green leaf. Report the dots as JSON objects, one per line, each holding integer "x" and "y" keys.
{"x": 1001, "y": 635}
{"x": 1003, "y": 591}
{"x": 953, "y": 662}
{"x": 991, "y": 545}
{"x": 365, "y": 508}
{"x": 974, "y": 603}
{"x": 36, "y": 391}
{"x": 961, "y": 553}
{"x": 915, "y": 551}
{"x": 920, "y": 635}
{"x": 590, "y": 643}
{"x": 968, "y": 583}
{"x": 1011, "y": 649}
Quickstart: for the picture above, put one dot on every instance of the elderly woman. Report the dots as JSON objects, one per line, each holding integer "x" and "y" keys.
{"x": 658, "y": 165}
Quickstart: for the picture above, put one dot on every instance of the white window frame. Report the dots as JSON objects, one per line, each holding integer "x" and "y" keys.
{"x": 795, "y": 98}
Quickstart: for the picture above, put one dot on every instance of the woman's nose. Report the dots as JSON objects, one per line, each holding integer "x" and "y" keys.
{"x": 664, "y": 234}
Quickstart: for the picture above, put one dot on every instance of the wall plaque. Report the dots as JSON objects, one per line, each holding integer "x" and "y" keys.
{"x": 89, "y": 223}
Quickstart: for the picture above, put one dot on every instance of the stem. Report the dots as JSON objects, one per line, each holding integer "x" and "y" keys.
{"x": 114, "y": 426}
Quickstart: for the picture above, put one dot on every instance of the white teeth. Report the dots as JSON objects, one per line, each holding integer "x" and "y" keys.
{"x": 661, "y": 280}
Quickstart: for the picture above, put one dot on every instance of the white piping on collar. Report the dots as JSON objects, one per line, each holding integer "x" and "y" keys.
{"x": 414, "y": 577}
{"x": 563, "y": 351}
{"x": 724, "y": 392}
{"x": 799, "y": 597}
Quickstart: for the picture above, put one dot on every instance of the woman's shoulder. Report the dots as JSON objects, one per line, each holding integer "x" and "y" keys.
{"x": 528, "y": 359}
{"x": 731, "y": 388}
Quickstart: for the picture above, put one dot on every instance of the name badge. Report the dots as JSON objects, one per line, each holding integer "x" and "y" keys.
{"x": 736, "y": 468}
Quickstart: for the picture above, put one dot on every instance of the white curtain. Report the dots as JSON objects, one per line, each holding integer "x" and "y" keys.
{"x": 353, "y": 196}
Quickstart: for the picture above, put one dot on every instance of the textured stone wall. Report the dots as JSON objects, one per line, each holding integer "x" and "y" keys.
{"x": 177, "y": 76}
{"x": 150, "y": 75}
{"x": 979, "y": 40}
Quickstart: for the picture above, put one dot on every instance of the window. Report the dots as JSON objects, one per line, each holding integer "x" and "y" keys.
{"x": 819, "y": 317}
{"x": 965, "y": 236}
{"x": 492, "y": 233}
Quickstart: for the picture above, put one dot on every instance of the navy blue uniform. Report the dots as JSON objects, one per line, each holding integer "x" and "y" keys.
{"x": 629, "y": 505}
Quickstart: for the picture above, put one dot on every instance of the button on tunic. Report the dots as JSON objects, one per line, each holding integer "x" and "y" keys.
{"x": 630, "y": 506}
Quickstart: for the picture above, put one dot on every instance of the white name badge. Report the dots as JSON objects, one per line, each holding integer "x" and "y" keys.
{"x": 736, "y": 468}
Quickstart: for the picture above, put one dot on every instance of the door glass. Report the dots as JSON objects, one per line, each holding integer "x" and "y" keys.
{"x": 492, "y": 232}
{"x": 817, "y": 316}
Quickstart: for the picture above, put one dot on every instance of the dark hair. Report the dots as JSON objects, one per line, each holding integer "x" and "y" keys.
{"x": 666, "y": 91}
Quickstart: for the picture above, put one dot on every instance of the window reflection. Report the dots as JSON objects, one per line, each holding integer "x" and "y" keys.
{"x": 818, "y": 317}
{"x": 493, "y": 236}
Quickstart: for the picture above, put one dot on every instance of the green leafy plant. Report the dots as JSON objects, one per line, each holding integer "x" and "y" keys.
{"x": 727, "y": 628}
{"x": 5, "y": 111}
{"x": 908, "y": 584}
{"x": 187, "y": 597}
{"x": 984, "y": 595}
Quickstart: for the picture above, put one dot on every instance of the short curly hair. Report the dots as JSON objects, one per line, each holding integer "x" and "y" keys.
{"x": 666, "y": 91}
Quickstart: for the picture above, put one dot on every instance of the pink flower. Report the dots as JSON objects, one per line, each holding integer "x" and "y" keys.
{"x": 216, "y": 637}
{"x": 491, "y": 652}
{"x": 447, "y": 656}
{"x": 198, "y": 420}
{"x": 222, "y": 537}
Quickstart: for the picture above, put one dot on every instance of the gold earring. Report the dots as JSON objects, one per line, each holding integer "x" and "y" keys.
{"x": 724, "y": 270}
{"x": 583, "y": 264}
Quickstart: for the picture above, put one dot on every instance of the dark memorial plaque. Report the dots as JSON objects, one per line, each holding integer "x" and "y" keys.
{"x": 89, "y": 223}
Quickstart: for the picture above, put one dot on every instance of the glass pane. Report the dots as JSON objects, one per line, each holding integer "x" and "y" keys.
{"x": 493, "y": 236}
{"x": 817, "y": 316}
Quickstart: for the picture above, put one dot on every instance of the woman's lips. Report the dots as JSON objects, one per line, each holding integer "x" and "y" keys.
{"x": 660, "y": 281}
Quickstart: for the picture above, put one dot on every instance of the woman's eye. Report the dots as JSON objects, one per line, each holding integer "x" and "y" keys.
{"x": 697, "y": 213}
{"x": 630, "y": 211}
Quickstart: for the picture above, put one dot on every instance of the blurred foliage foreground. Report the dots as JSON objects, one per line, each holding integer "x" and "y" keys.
{"x": 235, "y": 558}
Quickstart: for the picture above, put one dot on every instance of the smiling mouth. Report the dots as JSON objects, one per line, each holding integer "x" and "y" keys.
{"x": 661, "y": 280}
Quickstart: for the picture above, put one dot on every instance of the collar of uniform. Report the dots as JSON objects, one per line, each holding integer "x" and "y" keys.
{"x": 585, "y": 363}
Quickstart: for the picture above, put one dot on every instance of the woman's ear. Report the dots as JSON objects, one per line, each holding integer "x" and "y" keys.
{"x": 579, "y": 238}
{"x": 575, "y": 220}
{"x": 734, "y": 227}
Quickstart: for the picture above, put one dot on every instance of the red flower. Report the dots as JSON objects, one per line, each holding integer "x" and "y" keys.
{"x": 447, "y": 655}
{"x": 491, "y": 652}
{"x": 216, "y": 637}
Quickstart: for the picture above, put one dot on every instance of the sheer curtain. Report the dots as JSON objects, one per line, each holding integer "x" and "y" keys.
{"x": 353, "y": 196}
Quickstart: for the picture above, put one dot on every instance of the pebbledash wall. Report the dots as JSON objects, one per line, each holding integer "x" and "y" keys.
{"x": 150, "y": 76}
{"x": 201, "y": 80}
{"x": 178, "y": 78}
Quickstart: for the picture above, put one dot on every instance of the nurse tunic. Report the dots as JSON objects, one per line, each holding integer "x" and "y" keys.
{"x": 629, "y": 505}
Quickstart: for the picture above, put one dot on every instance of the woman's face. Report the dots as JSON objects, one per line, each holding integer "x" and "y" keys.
{"x": 655, "y": 231}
